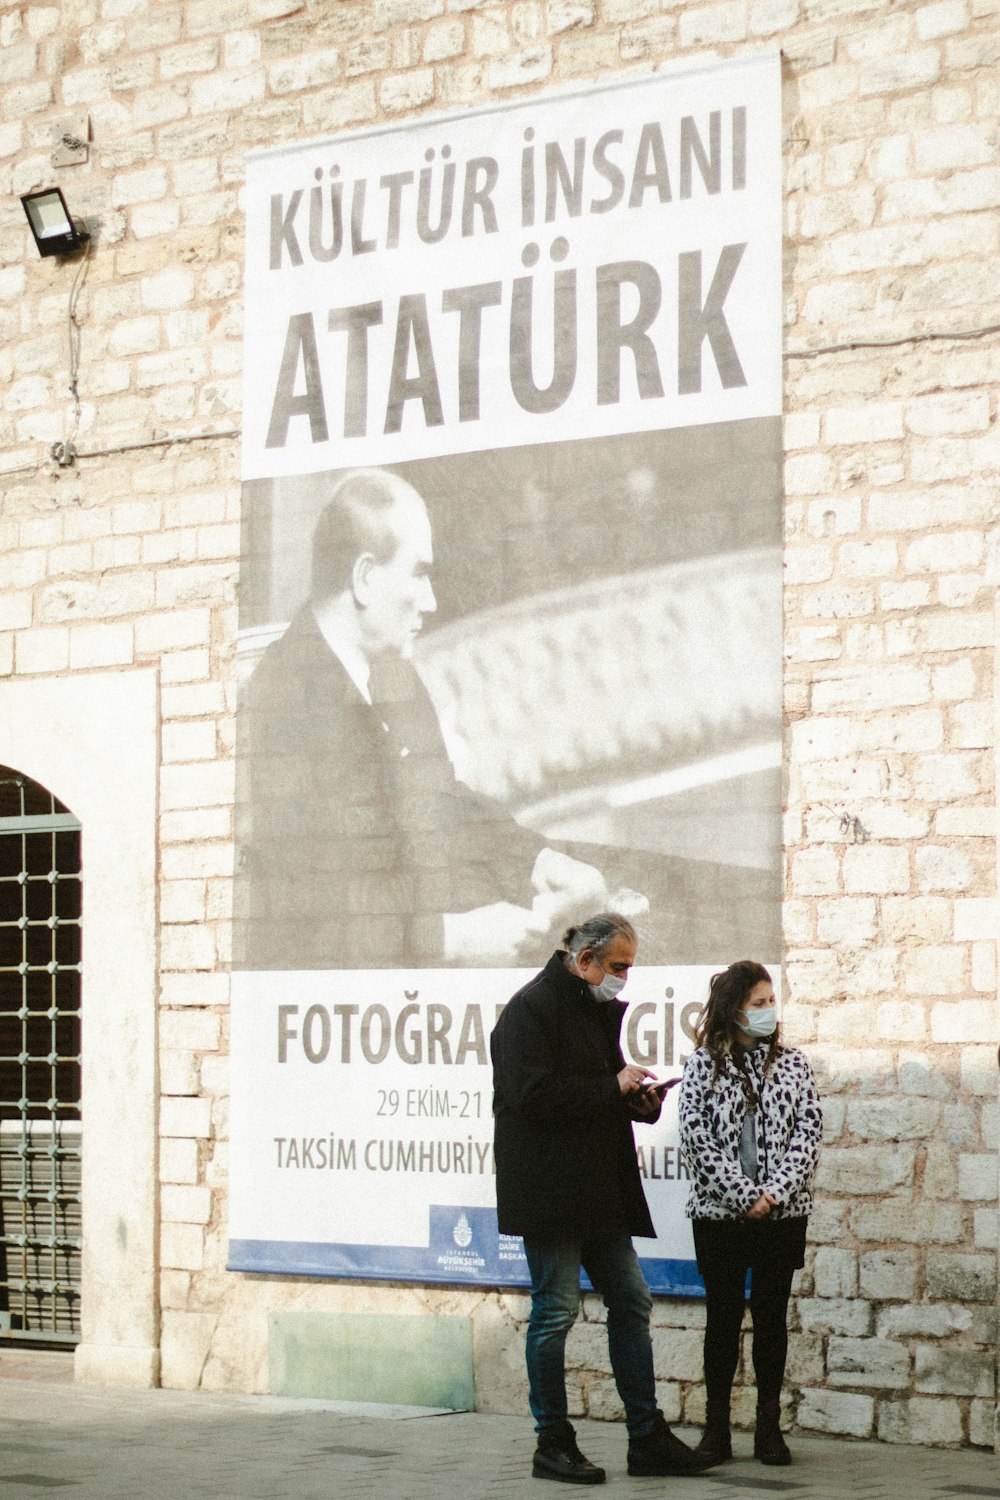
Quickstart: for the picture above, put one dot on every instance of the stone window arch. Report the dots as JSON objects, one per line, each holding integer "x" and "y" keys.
{"x": 93, "y": 737}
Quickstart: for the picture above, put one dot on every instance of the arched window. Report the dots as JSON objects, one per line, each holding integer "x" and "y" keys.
{"x": 40, "y": 1121}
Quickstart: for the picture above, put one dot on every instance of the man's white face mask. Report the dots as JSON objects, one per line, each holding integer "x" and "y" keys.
{"x": 610, "y": 986}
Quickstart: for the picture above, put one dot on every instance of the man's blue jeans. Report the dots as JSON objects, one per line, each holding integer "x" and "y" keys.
{"x": 613, "y": 1267}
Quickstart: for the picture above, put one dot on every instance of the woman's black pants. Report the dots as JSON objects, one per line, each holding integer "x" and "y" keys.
{"x": 723, "y": 1263}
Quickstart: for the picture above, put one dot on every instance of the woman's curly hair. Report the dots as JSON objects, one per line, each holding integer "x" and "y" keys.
{"x": 718, "y": 1030}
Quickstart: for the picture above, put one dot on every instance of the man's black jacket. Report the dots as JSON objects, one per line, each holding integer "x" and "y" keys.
{"x": 565, "y": 1156}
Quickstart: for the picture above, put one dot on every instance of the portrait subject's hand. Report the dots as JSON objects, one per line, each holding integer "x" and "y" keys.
{"x": 565, "y": 886}
{"x": 490, "y": 934}
{"x": 629, "y": 902}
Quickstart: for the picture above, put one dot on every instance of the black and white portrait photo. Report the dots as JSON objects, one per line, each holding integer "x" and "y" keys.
{"x": 483, "y": 692}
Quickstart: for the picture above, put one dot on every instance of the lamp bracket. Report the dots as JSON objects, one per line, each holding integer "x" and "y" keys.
{"x": 70, "y": 139}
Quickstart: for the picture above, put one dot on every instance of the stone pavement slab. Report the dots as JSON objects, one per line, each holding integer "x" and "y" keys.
{"x": 101, "y": 1443}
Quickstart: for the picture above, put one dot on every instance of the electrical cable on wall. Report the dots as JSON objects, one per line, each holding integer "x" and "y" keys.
{"x": 66, "y": 454}
{"x": 930, "y": 336}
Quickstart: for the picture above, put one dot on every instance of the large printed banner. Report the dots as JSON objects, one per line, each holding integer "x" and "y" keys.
{"x": 510, "y": 636}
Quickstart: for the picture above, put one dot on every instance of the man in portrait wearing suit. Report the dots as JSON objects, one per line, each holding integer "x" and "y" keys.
{"x": 363, "y": 849}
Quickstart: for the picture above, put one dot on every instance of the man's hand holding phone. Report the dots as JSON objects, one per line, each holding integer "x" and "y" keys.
{"x": 649, "y": 1096}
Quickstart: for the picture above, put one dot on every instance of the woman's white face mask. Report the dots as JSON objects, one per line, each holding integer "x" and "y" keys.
{"x": 758, "y": 1018}
{"x": 758, "y": 1023}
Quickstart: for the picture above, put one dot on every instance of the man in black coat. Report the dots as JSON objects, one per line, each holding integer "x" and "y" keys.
{"x": 568, "y": 1183}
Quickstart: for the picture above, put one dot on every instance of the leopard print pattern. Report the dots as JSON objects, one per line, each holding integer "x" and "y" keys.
{"x": 789, "y": 1125}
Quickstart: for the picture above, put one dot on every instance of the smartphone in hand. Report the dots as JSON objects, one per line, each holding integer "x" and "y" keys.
{"x": 659, "y": 1086}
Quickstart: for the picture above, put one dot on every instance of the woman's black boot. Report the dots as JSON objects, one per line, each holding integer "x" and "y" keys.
{"x": 768, "y": 1444}
{"x": 716, "y": 1440}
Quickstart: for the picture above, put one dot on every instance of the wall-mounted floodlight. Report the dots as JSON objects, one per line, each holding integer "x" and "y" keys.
{"x": 54, "y": 230}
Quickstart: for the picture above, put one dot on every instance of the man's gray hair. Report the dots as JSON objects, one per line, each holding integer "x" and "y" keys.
{"x": 598, "y": 933}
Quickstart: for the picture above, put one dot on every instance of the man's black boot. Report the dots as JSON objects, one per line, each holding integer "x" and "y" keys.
{"x": 558, "y": 1457}
{"x": 716, "y": 1440}
{"x": 768, "y": 1444}
{"x": 661, "y": 1452}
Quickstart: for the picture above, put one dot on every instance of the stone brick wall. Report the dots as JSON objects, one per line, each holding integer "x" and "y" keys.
{"x": 129, "y": 556}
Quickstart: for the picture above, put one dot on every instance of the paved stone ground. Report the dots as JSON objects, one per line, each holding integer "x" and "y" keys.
{"x": 98, "y": 1443}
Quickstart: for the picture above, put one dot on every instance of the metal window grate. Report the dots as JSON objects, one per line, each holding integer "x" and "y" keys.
{"x": 40, "y": 1123}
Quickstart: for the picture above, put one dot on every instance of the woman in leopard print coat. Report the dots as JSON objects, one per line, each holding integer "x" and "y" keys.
{"x": 750, "y": 1131}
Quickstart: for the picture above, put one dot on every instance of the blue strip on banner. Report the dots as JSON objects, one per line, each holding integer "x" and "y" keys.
{"x": 465, "y": 1248}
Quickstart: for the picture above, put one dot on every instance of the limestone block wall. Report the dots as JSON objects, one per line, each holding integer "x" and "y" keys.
{"x": 128, "y": 558}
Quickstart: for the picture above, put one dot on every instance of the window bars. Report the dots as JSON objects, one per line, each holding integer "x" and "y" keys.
{"x": 40, "y": 1126}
